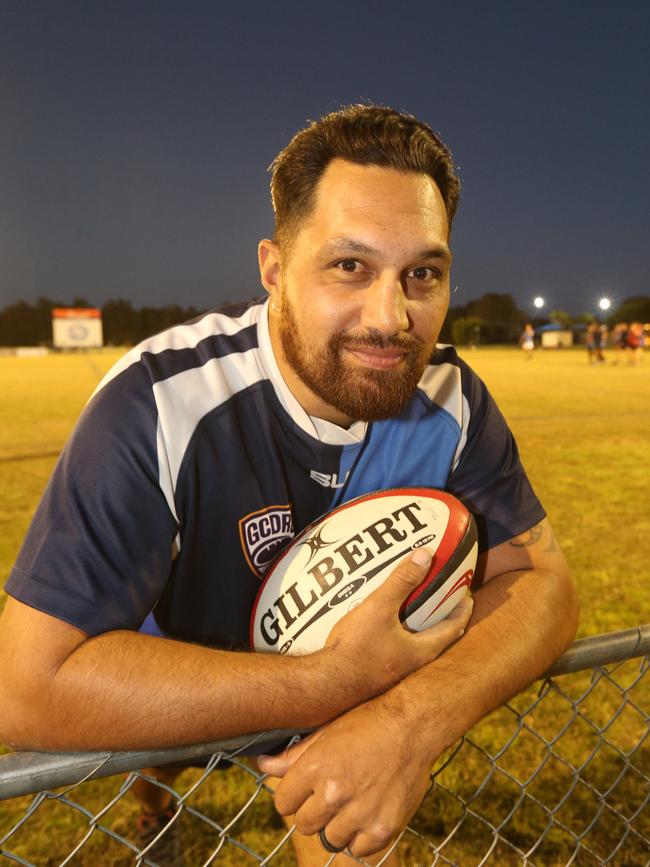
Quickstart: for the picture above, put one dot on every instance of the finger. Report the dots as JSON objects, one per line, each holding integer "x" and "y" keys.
{"x": 316, "y": 811}
{"x": 339, "y": 832}
{"x": 279, "y": 764}
{"x": 450, "y": 629}
{"x": 344, "y": 831}
{"x": 275, "y": 766}
{"x": 405, "y": 577}
{"x": 460, "y": 615}
{"x": 292, "y": 791}
{"x": 369, "y": 842}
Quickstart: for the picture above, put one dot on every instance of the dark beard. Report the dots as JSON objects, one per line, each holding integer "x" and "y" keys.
{"x": 362, "y": 395}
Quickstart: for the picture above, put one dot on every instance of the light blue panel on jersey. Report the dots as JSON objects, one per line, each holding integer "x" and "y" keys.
{"x": 417, "y": 448}
{"x": 149, "y": 626}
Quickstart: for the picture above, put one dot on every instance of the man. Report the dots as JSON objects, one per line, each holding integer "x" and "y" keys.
{"x": 527, "y": 340}
{"x": 266, "y": 415}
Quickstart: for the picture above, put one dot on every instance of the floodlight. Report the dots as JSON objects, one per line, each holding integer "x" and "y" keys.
{"x": 539, "y": 302}
{"x": 604, "y": 303}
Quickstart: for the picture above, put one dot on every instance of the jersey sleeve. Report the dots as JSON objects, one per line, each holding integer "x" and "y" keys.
{"x": 488, "y": 475}
{"x": 98, "y": 552}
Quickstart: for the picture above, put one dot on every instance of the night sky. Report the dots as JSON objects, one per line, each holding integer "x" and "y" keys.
{"x": 135, "y": 138}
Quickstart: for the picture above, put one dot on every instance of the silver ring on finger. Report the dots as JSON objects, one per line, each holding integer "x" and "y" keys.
{"x": 325, "y": 843}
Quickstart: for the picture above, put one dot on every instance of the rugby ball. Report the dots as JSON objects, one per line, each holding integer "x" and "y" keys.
{"x": 346, "y": 554}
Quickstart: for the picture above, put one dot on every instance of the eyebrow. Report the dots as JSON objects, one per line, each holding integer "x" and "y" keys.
{"x": 338, "y": 246}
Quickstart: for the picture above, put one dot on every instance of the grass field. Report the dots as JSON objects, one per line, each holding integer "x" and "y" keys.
{"x": 584, "y": 436}
{"x": 583, "y": 432}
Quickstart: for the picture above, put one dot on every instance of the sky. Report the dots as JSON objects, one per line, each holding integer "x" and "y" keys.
{"x": 135, "y": 138}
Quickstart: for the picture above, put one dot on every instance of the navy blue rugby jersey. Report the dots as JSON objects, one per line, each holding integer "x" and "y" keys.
{"x": 192, "y": 465}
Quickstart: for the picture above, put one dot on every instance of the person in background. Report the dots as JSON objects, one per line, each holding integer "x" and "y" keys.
{"x": 620, "y": 342}
{"x": 636, "y": 342}
{"x": 527, "y": 341}
{"x": 594, "y": 346}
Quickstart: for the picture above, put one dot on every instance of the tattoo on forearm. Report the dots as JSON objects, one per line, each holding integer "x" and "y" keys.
{"x": 532, "y": 536}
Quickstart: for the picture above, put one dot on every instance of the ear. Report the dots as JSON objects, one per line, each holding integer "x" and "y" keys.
{"x": 268, "y": 257}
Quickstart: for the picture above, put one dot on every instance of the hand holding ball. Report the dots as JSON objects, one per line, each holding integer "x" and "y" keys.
{"x": 336, "y": 562}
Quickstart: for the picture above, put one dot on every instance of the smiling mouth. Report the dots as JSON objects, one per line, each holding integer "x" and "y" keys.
{"x": 380, "y": 359}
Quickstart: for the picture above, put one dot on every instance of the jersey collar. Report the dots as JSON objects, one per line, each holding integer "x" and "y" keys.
{"x": 319, "y": 428}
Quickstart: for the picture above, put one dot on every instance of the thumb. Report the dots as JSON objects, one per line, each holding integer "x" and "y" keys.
{"x": 405, "y": 577}
{"x": 278, "y": 765}
{"x": 275, "y": 766}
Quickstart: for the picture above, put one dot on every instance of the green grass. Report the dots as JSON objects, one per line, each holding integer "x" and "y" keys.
{"x": 40, "y": 399}
{"x": 583, "y": 433}
{"x": 584, "y": 436}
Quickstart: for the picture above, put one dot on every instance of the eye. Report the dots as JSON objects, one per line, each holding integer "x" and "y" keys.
{"x": 423, "y": 274}
{"x": 348, "y": 265}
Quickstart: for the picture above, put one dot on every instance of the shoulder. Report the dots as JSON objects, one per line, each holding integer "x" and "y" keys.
{"x": 449, "y": 383}
{"x": 446, "y": 362}
{"x": 227, "y": 329}
{"x": 166, "y": 384}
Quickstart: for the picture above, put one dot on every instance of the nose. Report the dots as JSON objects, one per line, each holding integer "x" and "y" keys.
{"x": 385, "y": 307}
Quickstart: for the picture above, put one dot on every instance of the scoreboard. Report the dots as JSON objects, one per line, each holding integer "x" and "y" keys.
{"x": 77, "y": 327}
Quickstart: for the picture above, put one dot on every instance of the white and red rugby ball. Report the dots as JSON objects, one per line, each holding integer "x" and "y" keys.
{"x": 346, "y": 554}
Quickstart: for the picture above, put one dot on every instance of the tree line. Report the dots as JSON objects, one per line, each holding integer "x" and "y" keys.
{"x": 494, "y": 318}
{"x": 24, "y": 324}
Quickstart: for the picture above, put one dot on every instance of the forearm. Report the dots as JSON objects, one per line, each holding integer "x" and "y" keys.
{"x": 124, "y": 690}
{"x": 61, "y": 689}
{"x": 522, "y": 622}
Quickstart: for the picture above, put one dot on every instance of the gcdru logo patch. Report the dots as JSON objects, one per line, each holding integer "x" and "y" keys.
{"x": 263, "y": 535}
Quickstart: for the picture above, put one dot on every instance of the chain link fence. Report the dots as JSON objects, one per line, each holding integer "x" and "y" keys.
{"x": 558, "y": 776}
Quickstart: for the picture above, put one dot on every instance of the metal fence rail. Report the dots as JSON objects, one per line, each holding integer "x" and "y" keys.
{"x": 560, "y": 775}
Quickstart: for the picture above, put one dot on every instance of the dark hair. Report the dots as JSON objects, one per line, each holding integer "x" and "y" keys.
{"x": 363, "y": 134}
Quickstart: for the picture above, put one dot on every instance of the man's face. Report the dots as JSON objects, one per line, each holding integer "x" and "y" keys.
{"x": 359, "y": 299}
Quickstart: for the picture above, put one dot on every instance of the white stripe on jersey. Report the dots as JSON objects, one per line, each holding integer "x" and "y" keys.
{"x": 463, "y": 433}
{"x": 184, "y": 399}
{"x": 164, "y": 475}
{"x": 183, "y": 337}
{"x": 442, "y": 384}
